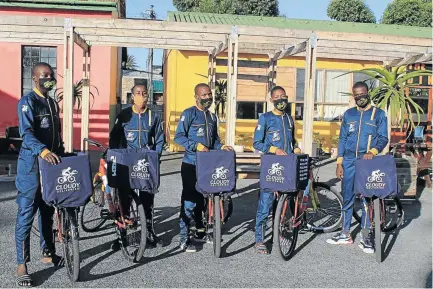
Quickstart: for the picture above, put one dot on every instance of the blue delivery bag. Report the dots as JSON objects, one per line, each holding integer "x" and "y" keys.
{"x": 288, "y": 173}
{"x": 216, "y": 172}
{"x": 67, "y": 184}
{"x": 376, "y": 177}
{"x": 133, "y": 169}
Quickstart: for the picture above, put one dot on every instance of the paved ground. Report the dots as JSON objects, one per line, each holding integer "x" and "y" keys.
{"x": 408, "y": 253}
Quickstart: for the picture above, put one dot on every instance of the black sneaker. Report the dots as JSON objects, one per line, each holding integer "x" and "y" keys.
{"x": 340, "y": 239}
{"x": 186, "y": 246}
{"x": 152, "y": 239}
{"x": 115, "y": 246}
{"x": 202, "y": 237}
{"x": 366, "y": 244}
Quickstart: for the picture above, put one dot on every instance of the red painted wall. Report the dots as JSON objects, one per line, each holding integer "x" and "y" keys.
{"x": 100, "y": 74}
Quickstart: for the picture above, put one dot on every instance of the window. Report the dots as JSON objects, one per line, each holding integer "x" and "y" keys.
{"x": 249, "y": 110}
{"x": 32, "y": 55}
{"x": 372, "y": 83}
{"x": 331, "y": 97}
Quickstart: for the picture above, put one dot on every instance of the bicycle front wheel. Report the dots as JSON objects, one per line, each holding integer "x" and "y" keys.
{"x": 90, "y": 217}
{"x": 285, "y": 234}
{"x": 217, "y": 226}
{"x": 71, "y": 249}
{"x": 324, "y": 209}
{"x": 133, "y": 238}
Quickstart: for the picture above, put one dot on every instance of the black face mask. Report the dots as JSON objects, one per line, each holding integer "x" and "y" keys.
{"x": 281, "y": 104}
{"x": 362, "y": 100}
{"x": 47, "y": 83}
{"x": 206, "y": 102}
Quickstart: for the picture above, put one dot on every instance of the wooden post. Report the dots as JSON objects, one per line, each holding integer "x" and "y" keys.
{"x": 310, "y": 85}
{"x": 232, "y": 77}
{"x": 85, "y": 103}
{"x": 271, "y": 82}
{"x": 68, "y": 96}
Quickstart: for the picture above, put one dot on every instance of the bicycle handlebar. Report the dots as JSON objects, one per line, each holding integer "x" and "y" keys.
{"x": 93, "y": 142}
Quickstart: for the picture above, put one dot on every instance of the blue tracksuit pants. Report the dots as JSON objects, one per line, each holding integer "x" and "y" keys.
{"x": 348, "y": 194}
{"x": 29, "y": 200}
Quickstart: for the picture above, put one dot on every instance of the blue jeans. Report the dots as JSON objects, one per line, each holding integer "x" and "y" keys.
{"x": 29, "y": 200}
{"x": 266, "y": 199}
{"x": 192, "y": 202}
{"x": 348, "y": 194}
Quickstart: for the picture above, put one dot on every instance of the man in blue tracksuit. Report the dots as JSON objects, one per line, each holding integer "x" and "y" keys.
{"x": 39, "y": 126}
{"x": 197, "y": 131}
{"x": 363, "y": 134}
{"x": 138, "y": 127}
{"x": 274, "y": 134}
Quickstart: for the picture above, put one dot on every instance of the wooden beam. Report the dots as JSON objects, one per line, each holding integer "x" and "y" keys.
{"x": 408, "y": 59}
{"x": 271, "y": 82}
{"x": 232, "y": 73}
{"x": 81, "y": 42}
{"x": 85, "y": 103}
{"x": 345, "y": 44}
{"x": 310, "y": 86}
{"x": 292, "y": 50}
{"x": 68, "y": 74}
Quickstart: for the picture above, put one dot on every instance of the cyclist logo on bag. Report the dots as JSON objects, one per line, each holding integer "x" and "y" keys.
{"x": 140, "y": 170}
{"x": 67, "y": 182}
{"x": 219, "y": 178}
{"x": 275, "y": 173}
{"x": 375, "y": 180}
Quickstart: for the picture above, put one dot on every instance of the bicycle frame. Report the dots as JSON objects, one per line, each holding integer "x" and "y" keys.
{"x": 210, "y": 208}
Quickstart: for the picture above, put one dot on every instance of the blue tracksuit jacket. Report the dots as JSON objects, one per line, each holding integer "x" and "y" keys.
{"x": 39, "y": 124}
{"x": 137, "y": 130}
{"x": 362, "y": 131}
{"x": 275, "y": 131}
{"x": 197, "y": 129}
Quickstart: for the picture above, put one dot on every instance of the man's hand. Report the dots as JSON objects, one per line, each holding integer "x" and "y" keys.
{"x": 339, "y": 171}
{"x": 52, "y": 158}
{"x": 368, "y": 156}
{"x": 228, "y": 148}
{"x": 205, "y": 149}
{"x": 280, "y": 152}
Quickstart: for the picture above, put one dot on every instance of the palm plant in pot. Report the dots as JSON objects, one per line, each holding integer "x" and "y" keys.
{"x": 77, "y": 94}
{"x": 390, "y": 94}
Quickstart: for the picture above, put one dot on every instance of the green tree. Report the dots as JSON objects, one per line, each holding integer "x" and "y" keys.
{"x": 239, "y": 7}
{"x": 131, "y": 63}
{"x": 350, "y": 11}
{"x": 409, "y": 12}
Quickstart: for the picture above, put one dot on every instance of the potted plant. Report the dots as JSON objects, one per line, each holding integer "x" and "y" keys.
{"x": 390, "y": 95}
{"x": 77, "y": 93}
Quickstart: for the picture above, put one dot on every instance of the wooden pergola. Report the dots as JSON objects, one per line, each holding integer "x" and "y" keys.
{"x": 276, "y": 43}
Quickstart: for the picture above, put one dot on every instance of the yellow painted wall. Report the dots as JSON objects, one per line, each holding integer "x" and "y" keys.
{"x": 185, "y": 69}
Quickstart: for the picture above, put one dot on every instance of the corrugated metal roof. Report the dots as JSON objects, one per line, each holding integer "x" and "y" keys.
{"x": 158, "y": 86}
{"x": 312, "y": 25}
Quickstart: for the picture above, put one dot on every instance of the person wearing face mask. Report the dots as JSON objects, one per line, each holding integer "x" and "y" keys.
{"x": 274, "y": 134}
{"x": 197, "y": 131}
{"x": 39, "y": 126}
{"x": 137, "y": 127}
{"x": 363, "y": 134}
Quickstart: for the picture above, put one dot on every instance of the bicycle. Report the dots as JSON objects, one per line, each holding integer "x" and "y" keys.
{"x": 218, "y": 210}
{"x": 305, "y": 210}
{"x": 132, "y": 221}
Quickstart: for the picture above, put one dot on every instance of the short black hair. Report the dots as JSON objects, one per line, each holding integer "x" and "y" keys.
{"x": 200, "y": 85}
{"x": 135, "y": 86}
{"x": 360, "y": 84}
{"x": 275, "y": 88}
{"x": 39, "y": 65}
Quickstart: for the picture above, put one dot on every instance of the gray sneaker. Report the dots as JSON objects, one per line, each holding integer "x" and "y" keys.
{"x": 366, "y": 244}
{"x": 187, "y": 247}
{"x": 340, "y": 239}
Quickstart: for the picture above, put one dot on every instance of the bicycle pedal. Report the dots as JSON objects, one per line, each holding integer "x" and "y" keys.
{"x": 105, "y": 214}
